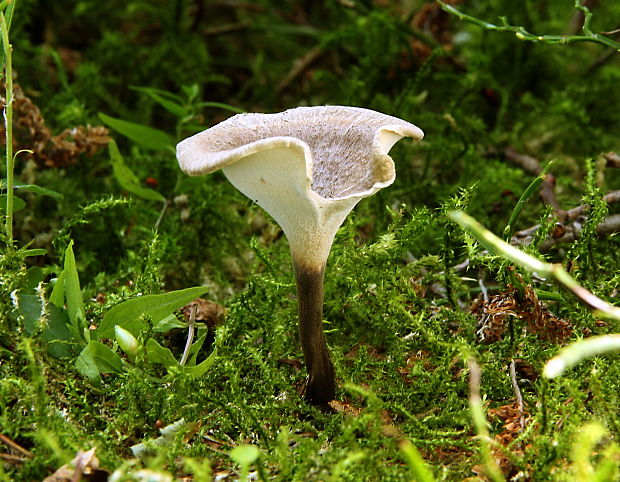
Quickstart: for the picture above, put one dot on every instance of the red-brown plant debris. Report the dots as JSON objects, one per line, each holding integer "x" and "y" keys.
{"x": 49, "y": 151}
{"x": 514, "y": 421}
{"x": 493, "y": 316}
{"x": 207, "y": 312}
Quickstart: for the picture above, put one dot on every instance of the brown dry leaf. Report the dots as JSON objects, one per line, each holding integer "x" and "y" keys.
{"x": 346, "y": 408}
{"x": 372, "y": 351}
{"x": 447, "y": 454}
{"x": 413, "y": 359}
{"x": 85, "y": 466}
{"x": 49, "y": 151}
{"x": 433, "y": 21}
{"x": 526, "y": 370}
{"x": 207, "y": 312}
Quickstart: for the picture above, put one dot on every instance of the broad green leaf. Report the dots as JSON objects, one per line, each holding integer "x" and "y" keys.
{"x": 86, "y": 366}
{"x": 168, "y": 323}
{"x": 39, "y": 190}
{"x": 202, "y": 368}
{"x": 196, "y": 346}
{"x": 58, "y": 292}
{"x": 144, "y": 135}
{"x": 34, "y": 276}
{"x": 73, "y": 293}
{"x": 96, "y": 358}
{"x": 159, "y": 354}
{"x": 156, "y": 306}
{"x": 159, "y": 96}
{"x": 30, "y": 307}
{"x": 61, "y": 339}
{"x": 18, "y": 203}
{"x": 127, "y": 179}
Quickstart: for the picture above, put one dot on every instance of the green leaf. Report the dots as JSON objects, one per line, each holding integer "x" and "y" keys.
{"x": 61, "y": 339}
{"x": 127, "y": 179}
{"x": 191, "y": 91}
{"x": 156, "y": 306}
{"x": 30, "y": 307}
{"x": 168, "y": 323}
{"x": 144, "y": 135}
{"x": 18, "y": 203}
{"x": 58, "y": 292}
{"x": 171, "y": 104}
{"x": 220, "y": 105}
{"x": 96, "y": 358}
{"x": 202, "y": 368}
{"x": 158, "y": 354}
{"x": 196, "y": 346}
{"x": 73, "y": 293}
{"x": 34, "y": 276}
{"x": 35, "y": 252}
{"x": 39, "y": 190}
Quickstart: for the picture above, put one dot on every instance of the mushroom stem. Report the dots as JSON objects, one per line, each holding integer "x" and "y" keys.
{"x": 320, "y": 386}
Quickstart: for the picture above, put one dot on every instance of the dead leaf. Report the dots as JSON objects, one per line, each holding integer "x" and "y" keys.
{"x": 85, "y": 466}
{"x": 207, "y": 312}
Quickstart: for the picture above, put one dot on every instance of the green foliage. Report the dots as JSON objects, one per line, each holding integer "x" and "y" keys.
{"x": 144, "y": 136}
{"x": 127, "y": 179}
{"x": 158, "y": 307}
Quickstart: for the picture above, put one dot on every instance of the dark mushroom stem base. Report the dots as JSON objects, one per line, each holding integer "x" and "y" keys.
{"x": 321, "y": 386}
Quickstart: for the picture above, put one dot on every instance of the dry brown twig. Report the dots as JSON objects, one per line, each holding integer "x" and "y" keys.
{"x": 299, "y": 67}
{"x": 24, "y": 454}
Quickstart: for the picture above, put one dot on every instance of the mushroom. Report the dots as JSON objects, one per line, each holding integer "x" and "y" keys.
{"x": 307, "y": 167}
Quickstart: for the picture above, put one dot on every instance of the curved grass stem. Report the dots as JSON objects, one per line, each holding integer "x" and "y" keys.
{"x": 8, "y": 122}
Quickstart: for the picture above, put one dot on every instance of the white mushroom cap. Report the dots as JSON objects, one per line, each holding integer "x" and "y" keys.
{"x": 307, "y": 167}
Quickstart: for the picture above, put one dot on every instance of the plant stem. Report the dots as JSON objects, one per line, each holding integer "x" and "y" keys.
{"x": 321, "y": 386}
{"x": 8, "y": 122}
{"x": 576, "y": 352}
{"x": 190, "y": 335}
{"x": 522, "y": 34}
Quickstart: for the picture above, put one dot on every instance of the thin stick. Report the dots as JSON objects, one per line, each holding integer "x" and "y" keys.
{"x": 14, "y": 445}
{"x": 161, "y": 215}
{"x": 515, "y": 388}
{"x": 14, "y": 459}
{"x": 190, "y": 335}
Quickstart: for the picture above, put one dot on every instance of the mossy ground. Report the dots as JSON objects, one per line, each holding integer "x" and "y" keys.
{"x": 398, "y": 311}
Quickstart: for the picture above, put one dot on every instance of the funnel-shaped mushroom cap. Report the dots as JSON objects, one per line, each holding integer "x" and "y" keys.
{"x": 307, "y": 167}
